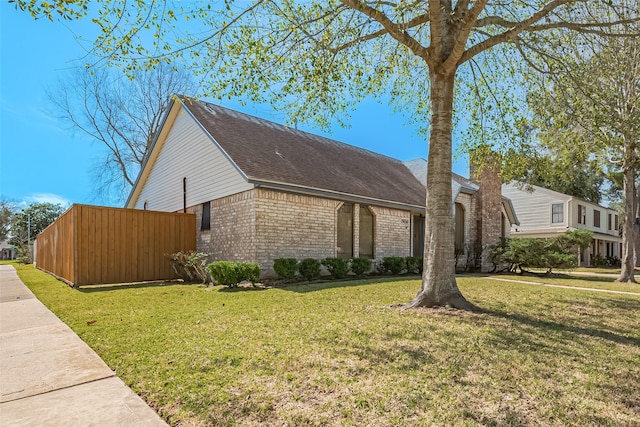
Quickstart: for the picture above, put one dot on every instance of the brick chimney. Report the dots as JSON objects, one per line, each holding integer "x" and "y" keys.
{"x": 484, "y": 170}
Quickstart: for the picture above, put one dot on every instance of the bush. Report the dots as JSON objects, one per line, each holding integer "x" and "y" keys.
{"x": 614, "y": 261}
{"x": 230, "y": 273}
{"x": 598, "y": 261}
{"x": 190, "y": 266}
{"x": 414, "y": 264}
{"x": 24, "y": 255}
{"x": 285, "y": 268}
{"x": 393, "y": 264}
{"x": 338, "y": 267}
{"x": 309, "y": 268}
{"x": 360, "y": 266}
{"x": 550, "y": 253}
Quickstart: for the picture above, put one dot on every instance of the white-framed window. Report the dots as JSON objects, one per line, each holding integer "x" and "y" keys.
{"x": 557, "y": 213}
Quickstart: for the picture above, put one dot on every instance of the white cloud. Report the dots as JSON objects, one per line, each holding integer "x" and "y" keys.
{"x": 48, "y": 198}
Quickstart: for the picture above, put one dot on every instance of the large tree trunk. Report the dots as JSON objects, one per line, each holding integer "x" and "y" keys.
{"x": 629, "y": 228}
{"x": 636, "y": 236}
{"x": 439, "y": 286}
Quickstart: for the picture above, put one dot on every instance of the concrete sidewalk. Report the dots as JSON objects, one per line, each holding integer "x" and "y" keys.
{"x": 49, "y": 376}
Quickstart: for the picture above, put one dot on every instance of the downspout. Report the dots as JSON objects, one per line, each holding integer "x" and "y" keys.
{"x": 184, "y": 194}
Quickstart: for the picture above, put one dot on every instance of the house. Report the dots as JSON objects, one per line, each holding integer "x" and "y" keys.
{"x": 8, "y": 251}
{"x": 262, "y": 191}
{"x": 547, "y": 213}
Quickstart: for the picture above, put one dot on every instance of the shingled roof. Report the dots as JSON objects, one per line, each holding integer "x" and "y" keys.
{"x": 271, "y": 153}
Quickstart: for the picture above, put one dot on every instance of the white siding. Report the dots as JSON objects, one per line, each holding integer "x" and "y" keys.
{"x": 604, "y": 218}
{"x": 534, "y": 208}
{"x": 188, "y": 152}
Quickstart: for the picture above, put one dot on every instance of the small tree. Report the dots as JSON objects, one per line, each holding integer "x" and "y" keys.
{"x": 6, "y": 216}
{"x": 556, "y": 252}
{"x": 31, "y": 221}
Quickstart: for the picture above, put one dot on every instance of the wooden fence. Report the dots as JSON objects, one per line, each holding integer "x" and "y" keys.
{"x": 98, "y": 245}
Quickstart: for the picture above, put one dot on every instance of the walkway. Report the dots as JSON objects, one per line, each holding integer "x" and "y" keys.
{"x": 49, "y": 376}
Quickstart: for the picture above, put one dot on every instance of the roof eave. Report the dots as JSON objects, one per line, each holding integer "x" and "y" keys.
{"x": 333, "y": 194}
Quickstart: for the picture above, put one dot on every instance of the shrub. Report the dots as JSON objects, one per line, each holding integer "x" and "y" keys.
{"x": 614, "y": 261}
{"x": 338, "y": 267}
{"x": 230, "y": 273}
{"x": 414, "y": 264}
{"x": 548, "y": 253}
{"x": 393, "y": 264}
{"x": 24, "y": 255}
{"x": 285, "y": 268}
{"x": 360, "y": 266}
{"x": 598, "y": 261}
{"x": 309, "y": 268}
{"x": 190, "y": 266}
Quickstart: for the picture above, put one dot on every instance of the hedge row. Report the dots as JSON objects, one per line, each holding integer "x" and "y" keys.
{"x": 231, "y": 273}
{"x": 339, "y": 268}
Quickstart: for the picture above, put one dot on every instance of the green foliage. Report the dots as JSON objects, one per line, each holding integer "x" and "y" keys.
{"x": 414, "y": 264}
{"x": 338, "y": 267}
{"x": 550, "y": 253}
{"x": 497, "y": 253}
{"x": 190, "y": 266}
{"x": 360, "y": 266}
{"x": 231, "y": 273}
{"x": 574, "y": 240}
{"x": 285, "y": 268}
{"x": 309, "y": 269}
{"x": 394, "y": 265}
{"x": 24, "y": 255}
{"x": 6, "y": 216}
{"x": 31, "y": 221}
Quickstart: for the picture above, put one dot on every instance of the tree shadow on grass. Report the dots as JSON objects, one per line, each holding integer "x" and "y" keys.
{"x": 125, "y": 286}
{"x": 548, "y": 325}
{"x": 321, "y": 285}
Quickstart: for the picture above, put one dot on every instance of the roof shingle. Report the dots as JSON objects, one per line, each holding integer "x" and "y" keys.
{"x": 270, "y": 152}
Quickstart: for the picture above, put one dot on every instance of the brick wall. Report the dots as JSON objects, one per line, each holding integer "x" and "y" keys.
{"x": 261, "y": 225}
{"x": 392, "y": 231}
{"x": 489, "y": 203}
{"x": 293, "y": 226}
{"x": 470, "y": 226}
{"x": 232, "y": 233}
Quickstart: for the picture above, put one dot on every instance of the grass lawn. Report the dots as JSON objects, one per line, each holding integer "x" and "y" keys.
{"x": 338, "y": 354}
{"x": 573, "y": 280}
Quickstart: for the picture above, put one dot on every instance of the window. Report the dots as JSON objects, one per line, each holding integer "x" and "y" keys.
{"x": 345, "y": 231}
{"x": 418, "y": 235}
{"x": 206, "y": 216}
{"x": 596, "y": 218}
{"x": 610, "y": 222}
{"x": 582, "y": 214}
{"x": 366, "y": 232}
{"x": 616, "y": 223}
{"x": 557, "y": 213}
{"x": 459, "y": 236}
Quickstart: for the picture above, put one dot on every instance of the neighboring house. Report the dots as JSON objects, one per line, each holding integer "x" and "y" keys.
{"x": 263, "y": 191}
{"x": 547, "y": 213}
{"x": 8, "y": 251}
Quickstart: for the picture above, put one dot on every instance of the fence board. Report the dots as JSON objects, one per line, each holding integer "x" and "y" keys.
{"x": 98, "y": 245}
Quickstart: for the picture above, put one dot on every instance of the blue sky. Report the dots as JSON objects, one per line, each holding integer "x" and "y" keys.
{"x": 41, "y": 159}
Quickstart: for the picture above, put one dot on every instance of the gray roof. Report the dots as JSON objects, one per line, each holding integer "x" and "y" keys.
{"x": 267, "y": 152}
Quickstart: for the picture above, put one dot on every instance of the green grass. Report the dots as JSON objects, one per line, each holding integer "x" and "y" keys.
{"x": 573, "y": 280}
{"x": 338, "y": 354}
